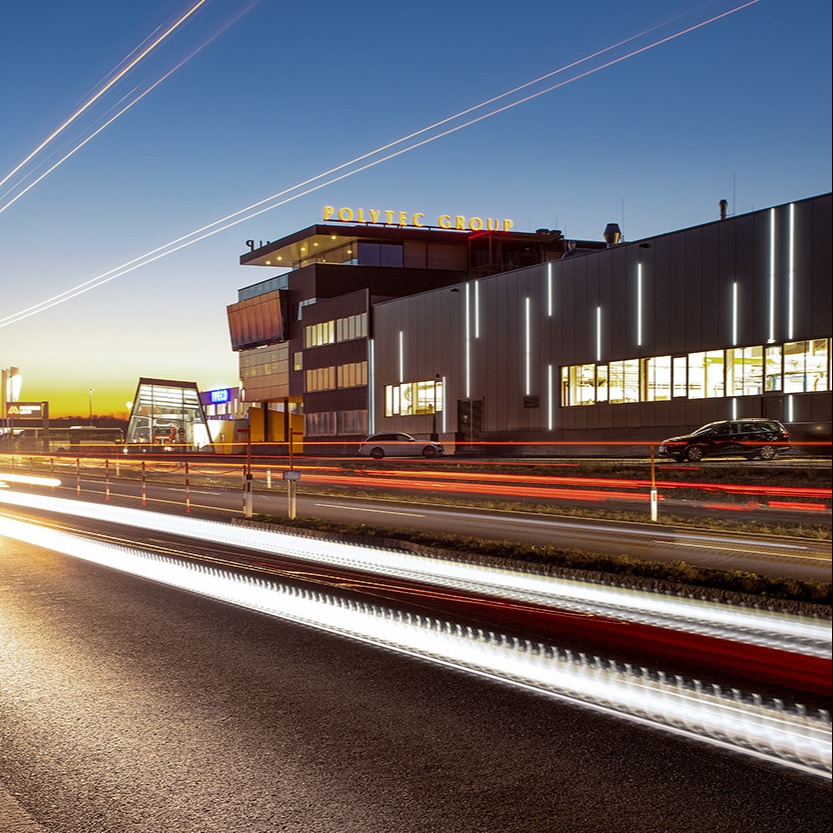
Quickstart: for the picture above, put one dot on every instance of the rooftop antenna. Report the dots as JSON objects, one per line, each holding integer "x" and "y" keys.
{"x": 734, "y": 204}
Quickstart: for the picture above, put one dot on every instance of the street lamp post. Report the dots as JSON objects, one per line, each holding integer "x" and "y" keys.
{"x": 91, "y": 406}
{"x": 434, "y": 435}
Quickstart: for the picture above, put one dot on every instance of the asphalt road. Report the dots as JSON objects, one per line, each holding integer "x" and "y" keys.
{"x": 129, "y": 707}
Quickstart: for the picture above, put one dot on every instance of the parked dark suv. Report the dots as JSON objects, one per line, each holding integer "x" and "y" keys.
{"x": 759, "y": 439}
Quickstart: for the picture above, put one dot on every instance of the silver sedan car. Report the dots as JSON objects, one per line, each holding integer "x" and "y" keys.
{"x": 379, "y": 446}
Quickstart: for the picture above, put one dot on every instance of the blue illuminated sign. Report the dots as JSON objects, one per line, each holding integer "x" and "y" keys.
{"x": 220, "y": 395}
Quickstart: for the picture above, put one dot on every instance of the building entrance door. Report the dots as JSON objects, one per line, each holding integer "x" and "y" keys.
{"x": 469, "y": 420}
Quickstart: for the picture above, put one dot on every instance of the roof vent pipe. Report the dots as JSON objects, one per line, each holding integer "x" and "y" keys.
{"x": 723, "y": 206}
{"x": 613, "y": 234}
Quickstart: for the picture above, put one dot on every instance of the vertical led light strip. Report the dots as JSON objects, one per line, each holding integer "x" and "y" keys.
{"x": 477, "y": 309}
{"x": 468, "y": 346}
{"x": 639, "y": 305}
{"x": 550, "y": 404}
{"x": 598, "y": 334}
{"x": 734, "y": 408}
{"x": 527, "y": 349}
{"x": 791, "y": 308}
{"x": 771, "y": 275}
{"x": 371, "y": 387}
{"x": 790, "y": 409}
{"x": 734, "y": 313}
{"x": 549, "y": 290}
{"x": 442, "y": 405}
{"x": 401, "y": 357}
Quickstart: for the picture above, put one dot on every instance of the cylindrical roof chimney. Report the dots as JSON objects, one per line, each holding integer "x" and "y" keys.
{"x": 612, "y": 234}
{"x": 723, "y": 206}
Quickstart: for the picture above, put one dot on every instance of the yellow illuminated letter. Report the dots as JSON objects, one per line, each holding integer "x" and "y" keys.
{"x": 444, "y": 221}
{"x": 374, "y": 215}
{"x": 328, "y": 212}
{"x": 507, "y": 224}
{"x": 345, "y": 214}
{"x": 417, "y": 220}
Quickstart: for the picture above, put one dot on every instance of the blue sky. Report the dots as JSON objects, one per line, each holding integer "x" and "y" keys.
{"x": 738, "y": 109}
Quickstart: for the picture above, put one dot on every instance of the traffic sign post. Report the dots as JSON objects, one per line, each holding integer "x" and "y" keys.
{"x": 291, "y": 477}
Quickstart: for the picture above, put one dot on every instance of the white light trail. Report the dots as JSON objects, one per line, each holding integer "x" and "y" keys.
{"x": 777, "y": 630}
{"x": 107, "y": 86}
{"x": 255, "y": 209}
{"x": 743, "y": 725}
{"x": 118, "y": 115}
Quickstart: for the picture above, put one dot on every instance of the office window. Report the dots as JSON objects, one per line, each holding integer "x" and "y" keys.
{"x": 321, "y": 378}
{"x": 679, "y": 367}
{"x": 657, "y": 379}
{"x": 413, "y": 398}
{"x": 381, "y": 254}
{"x": 601, "y": 383}
{"x": 321, "y": 424}
{"x": 317, "y": 334}
{"x": 352, "y": 422}
{"x": 745, "y": 371}
{"x": 773, "y": 378}
{"x": 714, "y": 375}
{"x": 352, "y": 375}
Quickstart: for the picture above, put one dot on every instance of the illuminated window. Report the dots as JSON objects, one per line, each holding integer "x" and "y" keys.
{"x": 413, "y": 398}
{"x": 680, "y": 378}
{"x": 696, "y": 375}
{"x": 657, "y": 379}
{"x": 745, "y": 371}
{"x": 795, "y": 367}
{"x": 352, "y": 375}
{"x": 317, "y": 334}
{"x": 773, "y": 379}
{"x": 352, "y": 327}
{"x": 321, "y": 378}
{"x": 714, "y": 375}
{"x": 298, "y": 361}
{"x": 601, "y": 383}
{"x": 624, "y": 381}
{"x": 806, "y": 366}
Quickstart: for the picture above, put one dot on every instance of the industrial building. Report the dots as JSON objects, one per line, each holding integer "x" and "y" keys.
{"x": 484, "y": 335}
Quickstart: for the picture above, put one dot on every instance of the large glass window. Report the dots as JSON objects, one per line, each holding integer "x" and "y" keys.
{"x": 413, "y": 398}
{"x": 744, "y": 371}
{"x": 774, "y": 376}
{"x": 696, "y": 375}
{"x": 680, "y": 368}
{"x": 352, "y": 422}
{"x": 795, "y": 367}
{"x": 381, "y": 254}
{"x": 714, "y": 376}
{"x": 806, "y": 366}
{"x": 601, "y": 383}
{"x": 623, "y": 380}
{"x": 321, "y": 424}
{"x": 657, "y": 379}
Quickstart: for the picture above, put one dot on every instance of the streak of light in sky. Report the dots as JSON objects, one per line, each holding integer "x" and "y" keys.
{"x": 250, "y": 212}
{"x": 107, "y": 85}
